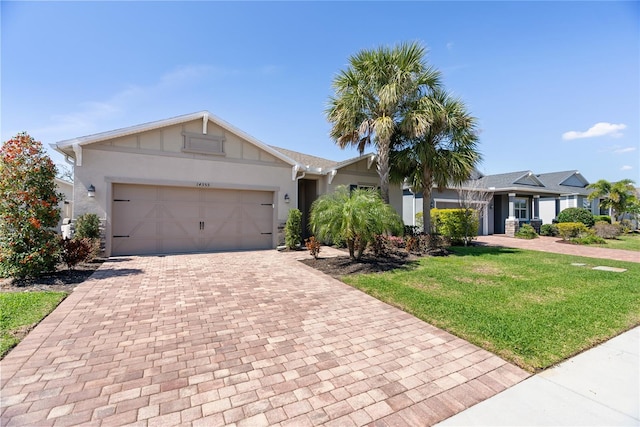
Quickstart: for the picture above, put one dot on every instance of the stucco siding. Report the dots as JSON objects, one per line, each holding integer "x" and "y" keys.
{"x": 103, "y": 168}
{"x": 547, "y": 209}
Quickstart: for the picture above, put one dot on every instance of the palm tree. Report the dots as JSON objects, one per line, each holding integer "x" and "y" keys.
{"x": 445, "y": 155}
{"x": 380, "y": 94}
{"x": 617, "y": 196}
{"x": 354, "y": 217}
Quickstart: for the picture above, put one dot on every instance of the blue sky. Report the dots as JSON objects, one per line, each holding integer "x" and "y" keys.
{"x": 554, "y": 85}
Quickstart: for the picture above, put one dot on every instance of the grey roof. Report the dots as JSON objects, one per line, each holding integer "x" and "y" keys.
{"x": 306, "y": 159}
{"x": 527, "y": 181}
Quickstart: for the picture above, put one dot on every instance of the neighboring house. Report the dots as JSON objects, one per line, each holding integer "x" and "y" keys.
{"x": 196, "y": 183}
{"x": 66, "y": 202}
{"x": 515, "y": 198}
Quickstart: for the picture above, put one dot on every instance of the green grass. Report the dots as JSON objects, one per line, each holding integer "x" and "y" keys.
{"x": 532, "y": 308}
{"x": 629, "y": 242}
{"x": 20, "y": 311}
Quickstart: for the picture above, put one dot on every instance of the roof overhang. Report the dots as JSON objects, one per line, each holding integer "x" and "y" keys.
{"x": 73, "y": 147}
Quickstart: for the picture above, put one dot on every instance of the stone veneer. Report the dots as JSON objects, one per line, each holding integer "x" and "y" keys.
{"x": 511, "y": 227}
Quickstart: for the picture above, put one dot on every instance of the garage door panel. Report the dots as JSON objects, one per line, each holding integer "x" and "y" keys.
{"x": 174, "y": 219}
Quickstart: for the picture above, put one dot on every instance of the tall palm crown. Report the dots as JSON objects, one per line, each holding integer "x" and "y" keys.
{"x": 445, "y": 155}
{"x": 380, "y": 94}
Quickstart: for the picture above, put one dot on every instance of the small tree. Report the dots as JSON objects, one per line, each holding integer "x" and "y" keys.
{"x": 293, "y": 229}
{"x": 355, "y": 217}
{"x": 28, "y": 208}
{"x": 473, "y": 198}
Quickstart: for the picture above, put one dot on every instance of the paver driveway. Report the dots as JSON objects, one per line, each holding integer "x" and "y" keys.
{"x": 251, "y": 338}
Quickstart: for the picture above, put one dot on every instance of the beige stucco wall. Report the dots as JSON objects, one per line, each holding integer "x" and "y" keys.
{"x": 66, "y": 202}
{"x": 157, "y": 158}
{"x": 359, "y": 174}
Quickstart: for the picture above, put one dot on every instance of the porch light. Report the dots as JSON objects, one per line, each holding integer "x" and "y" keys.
{"x": 286, "y": 198}
{"x": 91, "y": 191}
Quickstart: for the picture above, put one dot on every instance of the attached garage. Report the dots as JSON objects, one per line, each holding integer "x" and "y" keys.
{"x": 149, "y": 219}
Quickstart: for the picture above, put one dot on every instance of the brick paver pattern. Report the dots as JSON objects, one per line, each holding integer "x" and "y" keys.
{"x": 247, "y": 339}
{"x": 555, "y": 245}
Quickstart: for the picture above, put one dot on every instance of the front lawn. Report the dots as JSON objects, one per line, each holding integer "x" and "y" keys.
{"x": 629, "y": 242}
{"x": 534, "y": 309}
{"x": 20, "y": 311}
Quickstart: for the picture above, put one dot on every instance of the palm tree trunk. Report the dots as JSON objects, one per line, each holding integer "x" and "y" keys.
{"x": 383, "y": 168}
{"x": 426, "y": 209}
{"x": 426, "y": 201}
{"x": 351, "y": 246}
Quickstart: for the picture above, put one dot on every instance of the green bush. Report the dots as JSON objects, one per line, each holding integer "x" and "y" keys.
{"x": 549, "y": 230}
{"x": 293, "y": 229}
{"x": 606, "y": 230}
{"x": 576, "y": 215}
{"x": 460, "y": 226}
{"x": 589, "y": 239}
{"x": 87, "y": 226}
{"x": 599, "y": 218}
{"x": 571, "y": 230}
{"x": 526, "y": 231}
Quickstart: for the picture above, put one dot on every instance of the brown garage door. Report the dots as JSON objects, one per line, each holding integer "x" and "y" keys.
{"x": 156, "y": 219}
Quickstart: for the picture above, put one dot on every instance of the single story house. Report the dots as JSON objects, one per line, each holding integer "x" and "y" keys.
{"x": 196, "y": 183}
{"x": 512, "y": 198}
{"x": 66, "y": 201}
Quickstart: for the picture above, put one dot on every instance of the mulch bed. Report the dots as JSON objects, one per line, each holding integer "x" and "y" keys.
{"x": 340, "y": 266}
{"x": 61, "y": 280}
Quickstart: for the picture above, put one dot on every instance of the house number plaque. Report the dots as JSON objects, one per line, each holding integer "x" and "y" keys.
{"x": 203, "y": 184}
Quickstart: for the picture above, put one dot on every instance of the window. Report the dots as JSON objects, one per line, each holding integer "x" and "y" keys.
{"x": 521, "y": 210}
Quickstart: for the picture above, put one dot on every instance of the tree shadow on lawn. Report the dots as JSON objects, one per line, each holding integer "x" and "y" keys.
{"x": 481, "y": 248}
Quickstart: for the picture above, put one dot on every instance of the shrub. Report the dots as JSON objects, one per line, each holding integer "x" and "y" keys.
{"x": 355, "y": 217}
{"x": 606, "y": 230}
{"x": 576, "y": 215}
{"x": 599, "y": 218}
{"x": 384, "y": 245}
{"x": 293, "y": 229}
{"x": 87, "y": 226}
{"x": 313, "y": 246}
{"x": 460, "y": 226}
{"x": 526, "y": 231}
{"x": 74, "y": 251}
{"x": 28, "y": 209}
{"x": 549, "y": 230}
{"x": 412, "y": 230}
{"x": 626, "y": 225}
{"x": 589, "y": 239}
{"x": 571, "y": 230}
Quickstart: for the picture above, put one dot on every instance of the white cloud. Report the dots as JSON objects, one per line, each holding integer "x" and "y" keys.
{"x": 626, "y": 168}
{"x": 624, "y": 150}
{"x": 450, "y": 46}
{"x": 599, "y": 129}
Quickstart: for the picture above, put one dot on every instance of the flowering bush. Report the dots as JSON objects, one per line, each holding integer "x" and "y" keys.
{"x": 28, "y": 208}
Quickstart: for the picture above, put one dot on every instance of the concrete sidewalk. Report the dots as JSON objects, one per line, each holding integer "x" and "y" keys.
{"x": 598, "y": 387}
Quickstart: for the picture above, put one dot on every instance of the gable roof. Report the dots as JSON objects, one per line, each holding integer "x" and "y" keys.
{"x": 300, "y": 161}
{"x": 560, "y": 183}
{"x": 68, "y": 146}
{"x": 564, "y": 179}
